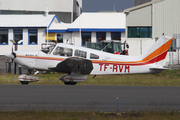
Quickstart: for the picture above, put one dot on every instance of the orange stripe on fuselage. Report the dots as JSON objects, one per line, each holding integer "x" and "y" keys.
{"x": 44, "y": 58}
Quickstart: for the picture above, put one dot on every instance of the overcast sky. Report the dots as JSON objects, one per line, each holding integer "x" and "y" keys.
{"x": 106, "y": 5}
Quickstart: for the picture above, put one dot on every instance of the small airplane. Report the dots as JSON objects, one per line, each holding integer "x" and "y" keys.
{"x": 78, "y": 61}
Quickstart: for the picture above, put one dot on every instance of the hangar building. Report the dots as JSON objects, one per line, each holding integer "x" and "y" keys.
{"x": 145, "y": 23}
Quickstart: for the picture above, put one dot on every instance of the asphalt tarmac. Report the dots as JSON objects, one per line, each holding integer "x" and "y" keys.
{"x": 89, "y": 98}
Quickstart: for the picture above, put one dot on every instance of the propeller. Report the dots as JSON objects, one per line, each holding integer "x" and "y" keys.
{"x": 16, "y": 43}
{"x": 12, "y": 55}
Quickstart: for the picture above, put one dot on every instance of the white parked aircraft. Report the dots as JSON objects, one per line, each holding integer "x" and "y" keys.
{"x": 78, "y": 61}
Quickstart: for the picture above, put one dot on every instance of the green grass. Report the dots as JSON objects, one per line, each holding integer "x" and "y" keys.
{"x": 166, "y": 78}
{"x": 52, "y": 115}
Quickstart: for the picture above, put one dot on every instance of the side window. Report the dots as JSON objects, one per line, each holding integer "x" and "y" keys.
{"x": 80, "y": 53}
{"x": 57, "y": 51}
{"x": 61, "y": 51}
{"x": 93, "y": 56}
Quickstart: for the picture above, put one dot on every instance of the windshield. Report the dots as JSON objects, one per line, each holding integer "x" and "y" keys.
{"x": 48, "y": 50}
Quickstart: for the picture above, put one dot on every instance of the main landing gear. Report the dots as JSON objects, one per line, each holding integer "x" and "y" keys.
{"x": 24, "y": 82}
{"x": 73, "y": 78}
{"x": 70, "y": 83}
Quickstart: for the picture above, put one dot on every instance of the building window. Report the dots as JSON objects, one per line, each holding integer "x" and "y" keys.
{"x": 3, "y": 37}
{"x": 59, "y": 38}
{"x": 139, "y": 32}
{"x": 18, "y": 35}
{"x": 115, "y": 35}
{"x": 100, "y": 36}
{"x": 86, "y": 36}
{"x": 33, "y": 36}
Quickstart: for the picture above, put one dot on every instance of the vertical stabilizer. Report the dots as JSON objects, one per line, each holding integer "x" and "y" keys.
{"x": 158, "y": 51}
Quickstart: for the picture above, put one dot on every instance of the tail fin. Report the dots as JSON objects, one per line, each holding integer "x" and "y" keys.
{"x": 157, "y": 53}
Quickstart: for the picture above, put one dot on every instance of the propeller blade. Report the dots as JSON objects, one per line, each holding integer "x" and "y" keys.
{"x": 12, "y": 49}
{"x": 13, "y": 41}
{"x": 20, "y": 41}
{"x": 12, "y": 52}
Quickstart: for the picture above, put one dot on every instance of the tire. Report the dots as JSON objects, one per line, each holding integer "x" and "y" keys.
{"x": 24, "y": 82}
{"x": 70, "y": 83}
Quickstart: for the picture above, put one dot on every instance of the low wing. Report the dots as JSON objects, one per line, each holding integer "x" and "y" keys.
{"x": 84, "y": 66}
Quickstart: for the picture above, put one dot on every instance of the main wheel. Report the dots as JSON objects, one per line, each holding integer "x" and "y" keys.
{"x": 24, "y": 82}
{"x": 70, "y": 83}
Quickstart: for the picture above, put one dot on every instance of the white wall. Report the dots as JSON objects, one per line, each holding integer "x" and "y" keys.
{"x": 76, "y": 37}
{"x": 67, "y": 38}
{"x": 108, "y": 35}
{"x": 123, "y": 36}
{"x": 139, "y": 45}
{"x": 93, "y": 37}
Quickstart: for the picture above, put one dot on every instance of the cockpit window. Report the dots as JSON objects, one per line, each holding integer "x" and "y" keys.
{"x": 94, "y": 56}
{"x": 48, "y": 50}
{"x": 62, "y": 51}
{"x": 80, "y": 53}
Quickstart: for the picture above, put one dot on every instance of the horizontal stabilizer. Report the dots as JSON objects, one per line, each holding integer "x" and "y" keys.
{"x": 158, "y": 70}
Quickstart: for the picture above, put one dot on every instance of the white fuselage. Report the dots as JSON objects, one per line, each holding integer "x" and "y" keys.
{"x": 103, "y": 62}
